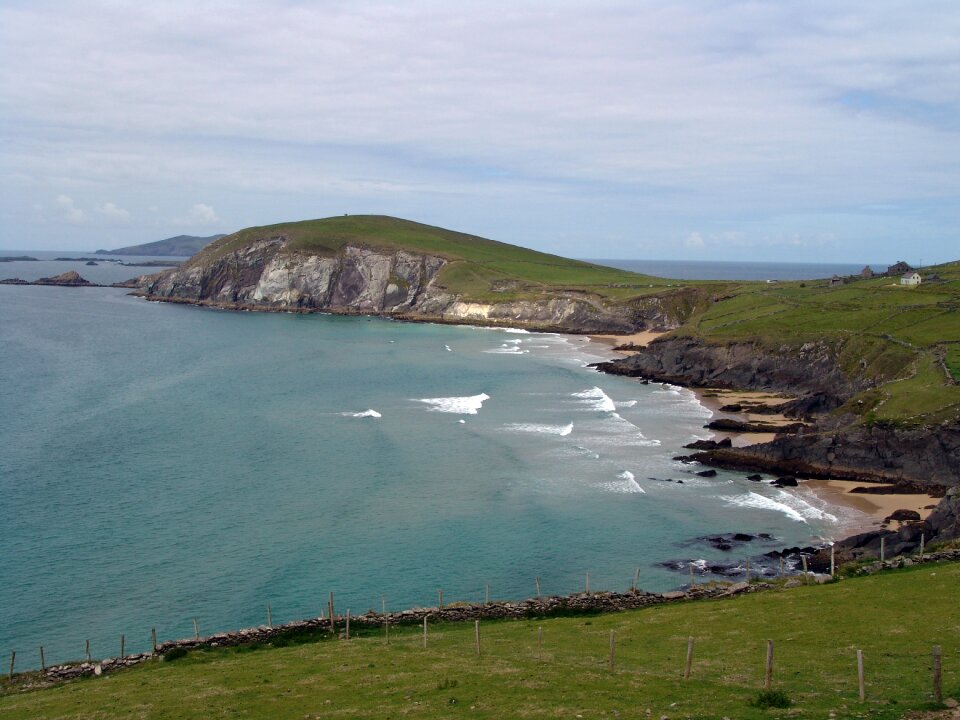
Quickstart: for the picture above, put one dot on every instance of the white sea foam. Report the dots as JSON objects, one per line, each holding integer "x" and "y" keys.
{"x": 447, "y": 348}
{"x": 626, "y": 484}
{"x": 366, "y": 413}
{"x": 561, "y": 430}
{"x": 625, "y": 403}
{"x": 516, "y": 331}
{"x": 597, "y": 399}
{"x": 506, "y": 349}
{"x": 789, "y": 504}
{"x": 456, "y": 405}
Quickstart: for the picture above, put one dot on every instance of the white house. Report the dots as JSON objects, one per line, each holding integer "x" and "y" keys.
{"x": 911, "y": 278}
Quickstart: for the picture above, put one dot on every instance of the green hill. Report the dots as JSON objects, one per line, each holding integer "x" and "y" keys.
{"x": 905, "y": 339}
{"x": 479, "y": 268}
{"x": 179, "y": 246}
{"x": 894, "y": 618}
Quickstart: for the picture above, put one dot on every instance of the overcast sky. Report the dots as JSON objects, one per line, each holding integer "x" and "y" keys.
{"x": 825, "y": 131}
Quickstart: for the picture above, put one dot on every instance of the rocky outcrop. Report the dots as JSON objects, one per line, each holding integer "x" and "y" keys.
{"x": 71, "y": 278}
{"x": 267, "y": 275}
{"x": 811, "y": 370}
{"x": 923, "y": 457}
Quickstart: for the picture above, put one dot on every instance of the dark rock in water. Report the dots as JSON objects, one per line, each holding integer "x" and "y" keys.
{"x": 765, "y": 536}
{"x": 71, "y": 278}
{"x": 13, "y": 281}
{"x": 755, "y": 477}
{"x": 904, "y": 515}
{"x": 786, "y": 481}
{"x": 709, "y": 444}
{"x": 683, "y": 458}
{"x": 91, "y": 262}
{"x": 707, "y": 473}
{"x": 679, "y": 482}
{"x": 734, "y": 408}
{"x": 743, "y": 537}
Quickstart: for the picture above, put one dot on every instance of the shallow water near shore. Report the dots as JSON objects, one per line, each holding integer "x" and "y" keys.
{"x": 162, "y": 463}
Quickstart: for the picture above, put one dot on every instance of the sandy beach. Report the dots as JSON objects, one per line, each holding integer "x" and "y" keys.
{"x": 876, "y": 508}
{"x": 640, "y": 339}
{"x": 716, "y": 398}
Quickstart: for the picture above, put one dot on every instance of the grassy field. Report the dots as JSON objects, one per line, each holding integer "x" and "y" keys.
{"x": 895, "y": 618}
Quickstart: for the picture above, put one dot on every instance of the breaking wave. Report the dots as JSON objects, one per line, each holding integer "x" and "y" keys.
{"x": 371, "y": 413}
{"x": 458, "y": 405}
{"x": 561, "y": 430}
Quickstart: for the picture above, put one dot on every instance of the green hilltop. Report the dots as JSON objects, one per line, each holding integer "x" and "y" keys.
{"x": 478, "y": 268}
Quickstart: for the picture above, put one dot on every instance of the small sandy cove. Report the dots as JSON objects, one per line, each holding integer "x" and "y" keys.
{"x": 875, "y": 508}
{"x": 640, "y": 339}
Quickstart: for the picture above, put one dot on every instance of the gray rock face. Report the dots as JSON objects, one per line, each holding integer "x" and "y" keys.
{"x": 265, "y": 275}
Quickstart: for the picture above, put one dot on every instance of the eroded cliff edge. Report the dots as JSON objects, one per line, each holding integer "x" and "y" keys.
{"x": 837, "y": 445}
{"x": 270, "y": 275}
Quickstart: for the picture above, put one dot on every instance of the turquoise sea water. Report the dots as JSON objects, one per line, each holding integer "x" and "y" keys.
{"x": 161, "y": 462}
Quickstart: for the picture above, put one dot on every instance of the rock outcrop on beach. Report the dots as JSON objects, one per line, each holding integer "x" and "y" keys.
{"x": 271, "y": 271}
{"x": 811, "y": 372}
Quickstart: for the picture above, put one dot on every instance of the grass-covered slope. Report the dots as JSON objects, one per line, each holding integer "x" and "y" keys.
{"x": 907, "y": 339}
{"x": 895, "y": 618}
{"x": 479, "y": 269}
{"x": 179, "y": 246}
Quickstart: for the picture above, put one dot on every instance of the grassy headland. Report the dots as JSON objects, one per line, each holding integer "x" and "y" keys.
{"x": 894, "y": 617}
{"x": 479, "y": 269}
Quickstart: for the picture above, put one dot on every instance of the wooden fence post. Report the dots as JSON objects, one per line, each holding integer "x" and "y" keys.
{"x": 687, "y": 667}
{"x": 538, "y": 586}
{"x": 153, "y": 639}
{"x": 424, "y": 632}
{"x": 923, "y": 539}
{"x": 748, "y": 569}
{"x": 636, "y": 579}
{"x": 803, "y": 559}
{"x": 883, "y": 542}
{"x": 269, "y": 616}
{"x": 613, "y": 644}
{"x": 476, "y": 635}
{"x": 123, "y": 640}
{"x": 43, "y": 660}
{"x": 440, "y": 598}
{"x": 486, "y": 597}
{"x": 348, "y": 623}
{"x": 588, "y": 584}
{"x": 768, "y": 672}
{"x": 13, "y": 659}
{"x": 87, "y": 650}
{"x": 196, "y": 629}
{"x": 333, "y": 624}
{"x": 937, "y": 675}
{"x": 860, "y": 680}
{"x": 692, "y": 581}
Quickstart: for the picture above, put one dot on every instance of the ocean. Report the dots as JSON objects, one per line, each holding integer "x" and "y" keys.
{"x": 162, "y": 463}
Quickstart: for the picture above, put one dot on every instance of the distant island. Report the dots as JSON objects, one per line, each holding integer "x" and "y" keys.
{"x": 18, "y": 258}
{"x": 179, "y": 246}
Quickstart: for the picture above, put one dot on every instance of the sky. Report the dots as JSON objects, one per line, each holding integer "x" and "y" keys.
{"x": 694, "y": 130}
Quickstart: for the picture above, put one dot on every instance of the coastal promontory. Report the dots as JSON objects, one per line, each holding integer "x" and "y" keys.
{"x": 398, "y": 268}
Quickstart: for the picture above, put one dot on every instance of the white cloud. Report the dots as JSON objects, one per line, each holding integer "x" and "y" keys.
{"x": 199, "y": 214}
{"x": 694, "y": 241}
{"x": 71, "y": 213}
{"x": 112, "y": 212}
{"x": 711, "y": 113}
